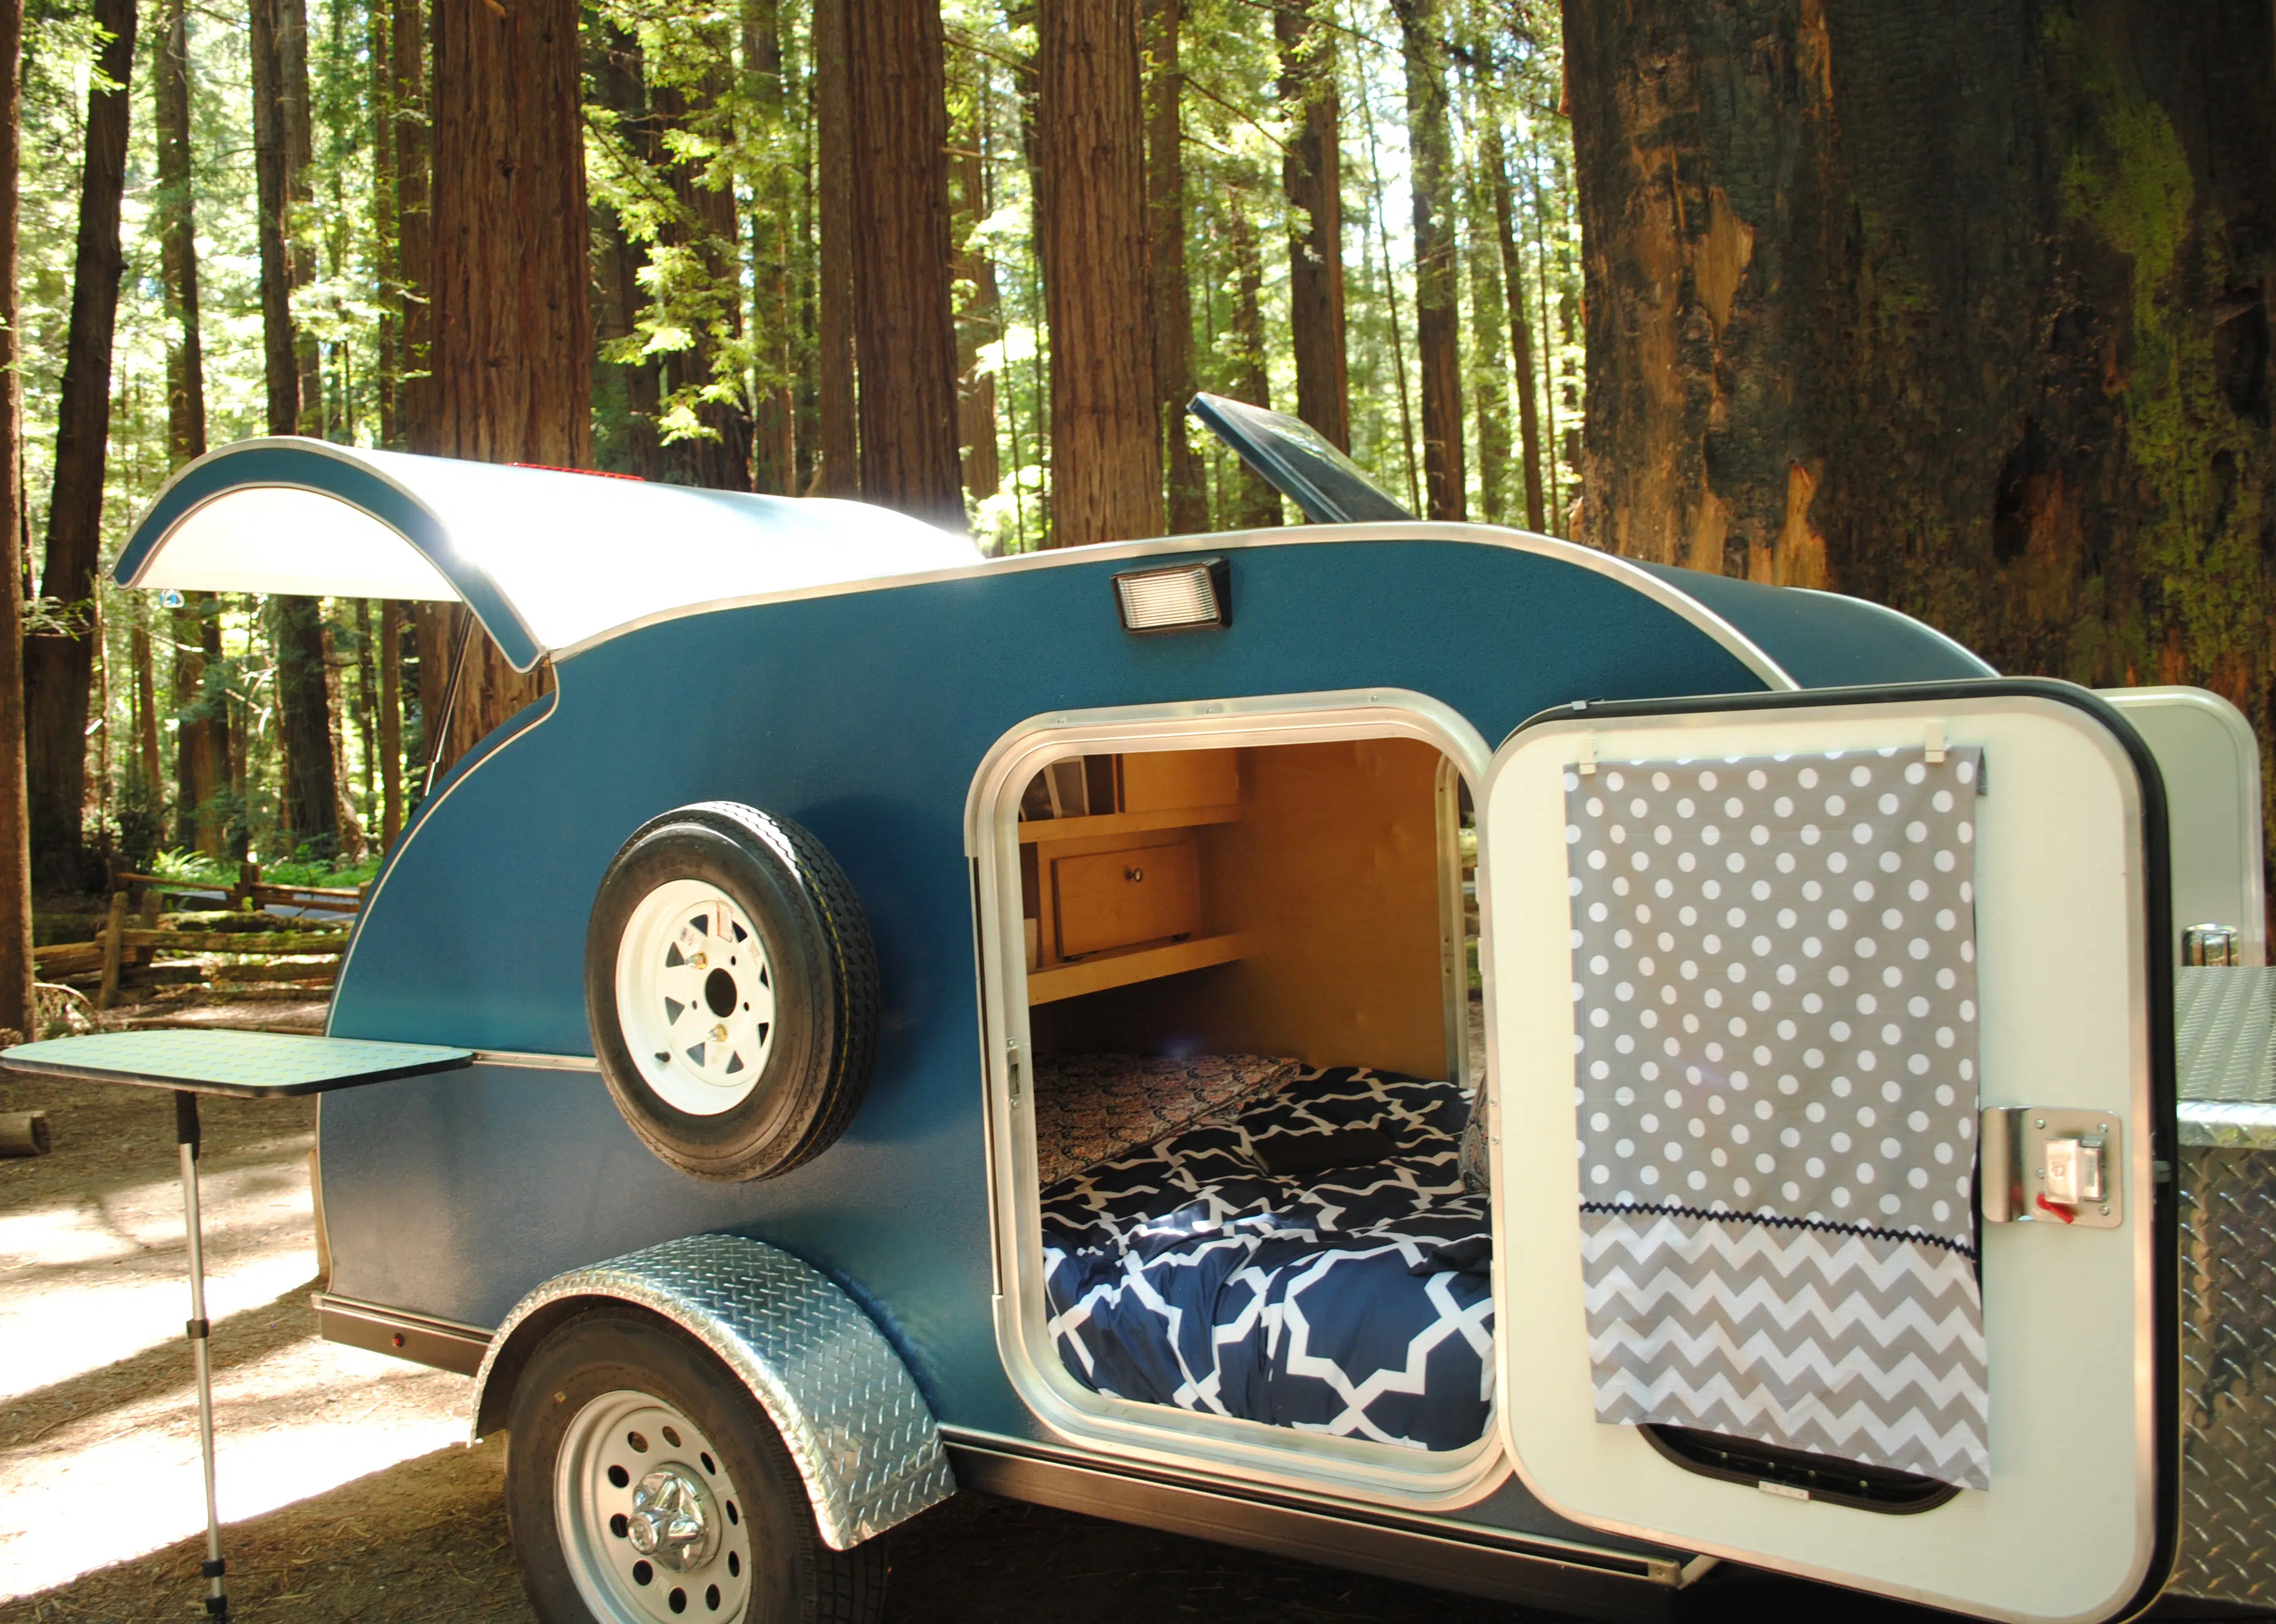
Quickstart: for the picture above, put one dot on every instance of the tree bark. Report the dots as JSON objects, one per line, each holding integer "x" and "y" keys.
{"x": 1173, "y": 300}
{"x": 18, "y": 1011}
{"x": 1438, "y": 297}
{"x": 904, "y": 319}
{"x": 774, "y": 248}
{"x": 391, "y": 722}
{"x": 387, "y": 347}
{"x": 619, "y": 77}
{"x": 414, "y": 221}
{"x": 512, "y": 346}
{"x": 720, "y": 458}
{"x": 1257, "y": 505}
{"x": 838, "y": 467}
{"x": 1311, "y": 174}
{"x": 1106, "y": 461}
{"x": 200, "y": 746}
{"x": 982, "y": 320}
{"x": 1493, "y": 158}
{"x": 1961, "y": 309}
{"x": 59, "y": 667}
{"x": 148, "y": 758}
{"x": 291, "y": 67}
{"x": 1488, "y": 387}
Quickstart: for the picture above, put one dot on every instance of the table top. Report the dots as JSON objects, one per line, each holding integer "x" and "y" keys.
{"x": 244, "y": 1065}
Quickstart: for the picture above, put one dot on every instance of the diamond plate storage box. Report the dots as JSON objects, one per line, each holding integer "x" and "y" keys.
{"x": 2227, "y": 1200}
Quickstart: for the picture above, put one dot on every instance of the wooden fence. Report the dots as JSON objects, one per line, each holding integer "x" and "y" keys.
{"x": 233, "y": 948}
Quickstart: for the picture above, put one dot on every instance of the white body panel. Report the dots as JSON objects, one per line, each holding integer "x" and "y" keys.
{"x": 2211, "y": 763}
{"x": 2067, "y": 1529}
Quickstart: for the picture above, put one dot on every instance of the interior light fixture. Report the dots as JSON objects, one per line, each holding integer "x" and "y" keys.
{"x": 1181, "y": 597}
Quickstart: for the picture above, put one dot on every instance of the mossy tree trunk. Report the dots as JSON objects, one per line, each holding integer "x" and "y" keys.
{"x": 1961, "y": 308}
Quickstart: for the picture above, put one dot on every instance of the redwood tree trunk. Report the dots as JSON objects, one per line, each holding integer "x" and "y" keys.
{"x": 16, "y": 1006}
{"x": 1254, "y": 505}
{"x": 414, "y": 223}
{"x": 838, "y": 469}
{"x": 1173, "y": 296}
{"x": 721, "y": 460}
{"x": 1495, "y": 161}
{"x": 774, "y": 248}
{"x": 1961, "y": 308}
{"x": 980, "y": 323}
{"x": 1106, "y": 463}
{"x": 904, "y": 319}
{"x": 1438, "y": 297}
{"x": 1311, "y": 173}
{"x": 59, "y": 667}
{"x": 201, "y": 736}
{"x": 514, "y": 330}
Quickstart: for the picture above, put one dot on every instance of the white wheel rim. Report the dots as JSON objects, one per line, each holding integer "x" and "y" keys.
{"x": 695, "y": 997}
{"x": 616, "y": 1453}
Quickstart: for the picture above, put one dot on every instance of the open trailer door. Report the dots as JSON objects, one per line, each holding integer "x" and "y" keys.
{"x": 1830, "y": 1039}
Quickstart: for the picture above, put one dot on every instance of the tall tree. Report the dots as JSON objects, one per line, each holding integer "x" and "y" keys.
{"x": 618, "y": 74}
{"x": 1256, "y": 505}
{"x": 981, "y": 320}
{"x": 1311, "y": 174}
{"x": 1437, "y": 294}
{"x": 774, "y": 248}
{"x": 415, "y": 220}
{"x": 19, "y": 1009}
{"x": 1172, "y": 295}
{"x": 296, "y": 625}
{"x": 59, "y": 665}
{"x": 1107, "y": 462}
{"x": 706, "y": 224}
{"x": 512, "y": 343}
{"x": 1965, "y": 310}
{"x": 1494, "y": 161}
{"x": 201, "y": 733}
{"x": 903, "y": 319}
{"x": 839, "y": 469}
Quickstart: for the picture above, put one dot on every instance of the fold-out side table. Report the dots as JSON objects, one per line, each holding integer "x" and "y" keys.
{"x": 243, "y": 1065}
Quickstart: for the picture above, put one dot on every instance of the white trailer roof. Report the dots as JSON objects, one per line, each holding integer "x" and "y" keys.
{"x": 547, "y": 559}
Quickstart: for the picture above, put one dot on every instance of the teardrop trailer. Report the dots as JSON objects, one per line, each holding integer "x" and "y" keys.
{"x": 1005, "y": 1023}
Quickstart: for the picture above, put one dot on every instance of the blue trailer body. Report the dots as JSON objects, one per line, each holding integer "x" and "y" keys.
{"x": 864, "y": 716}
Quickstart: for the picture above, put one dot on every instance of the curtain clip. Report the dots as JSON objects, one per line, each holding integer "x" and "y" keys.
{"x": 1587, "y": 760}
{"x": 1934, "y": 743}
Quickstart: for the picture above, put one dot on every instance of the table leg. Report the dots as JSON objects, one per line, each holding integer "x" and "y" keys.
{"x": 186, "y": 1135}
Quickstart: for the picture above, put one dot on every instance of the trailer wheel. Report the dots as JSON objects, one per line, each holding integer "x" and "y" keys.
{"x": 644, "y": 1485}
{"x": 732, "y": 991}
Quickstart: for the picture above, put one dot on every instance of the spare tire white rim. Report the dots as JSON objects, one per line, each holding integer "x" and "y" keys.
{"x": 695, "y": 997}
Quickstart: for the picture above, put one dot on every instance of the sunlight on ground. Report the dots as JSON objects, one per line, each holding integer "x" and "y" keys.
{"x": 98, "y": 1436}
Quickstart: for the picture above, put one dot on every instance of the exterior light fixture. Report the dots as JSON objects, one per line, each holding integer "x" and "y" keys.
{"x": 1183, "y": 597}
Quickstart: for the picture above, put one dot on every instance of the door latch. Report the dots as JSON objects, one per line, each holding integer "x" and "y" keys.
{"x": 2052, "y": 1164}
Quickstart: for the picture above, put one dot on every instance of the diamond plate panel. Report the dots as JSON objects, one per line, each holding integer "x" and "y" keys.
{"x": 2228, "y": 1375}
{"x": 861, "y": 1434}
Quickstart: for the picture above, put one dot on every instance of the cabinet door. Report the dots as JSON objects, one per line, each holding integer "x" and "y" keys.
{"x": 1763, "y": 977}
{"x": 1115, "y": 899}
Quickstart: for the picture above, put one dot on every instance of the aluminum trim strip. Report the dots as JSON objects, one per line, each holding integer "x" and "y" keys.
{"x": 2217, "y": 1125}
{"x": 848, "y": 1410}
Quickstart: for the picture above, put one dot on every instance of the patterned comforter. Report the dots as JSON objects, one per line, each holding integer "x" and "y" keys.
{"x": 1355, "y": 1301}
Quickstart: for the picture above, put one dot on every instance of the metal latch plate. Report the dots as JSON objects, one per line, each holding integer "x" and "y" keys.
{"x": 2054, "y": 1165}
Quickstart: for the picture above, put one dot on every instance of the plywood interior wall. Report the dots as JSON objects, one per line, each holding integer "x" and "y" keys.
{"x": 1331, "y": 874}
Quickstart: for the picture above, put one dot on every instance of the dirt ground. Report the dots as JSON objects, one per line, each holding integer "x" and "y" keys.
{"x": 345, "y": 1480}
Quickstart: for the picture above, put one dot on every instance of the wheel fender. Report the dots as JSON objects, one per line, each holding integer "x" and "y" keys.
{"x": 849, "y": 1412}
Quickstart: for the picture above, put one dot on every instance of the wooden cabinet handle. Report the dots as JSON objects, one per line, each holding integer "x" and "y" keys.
{"x": 1133, "y": 874}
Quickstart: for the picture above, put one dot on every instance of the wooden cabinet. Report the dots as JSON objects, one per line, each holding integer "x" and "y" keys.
{"x": 1117, "y": 896}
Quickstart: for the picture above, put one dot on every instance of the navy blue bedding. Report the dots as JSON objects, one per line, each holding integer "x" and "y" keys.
{"x": 1354, "y": 1301}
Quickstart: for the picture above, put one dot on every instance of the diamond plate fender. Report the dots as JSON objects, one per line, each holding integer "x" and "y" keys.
{"x": 847, "y": 1408}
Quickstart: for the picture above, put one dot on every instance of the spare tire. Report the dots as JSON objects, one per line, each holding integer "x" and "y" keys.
{"x": 732, "y": 989}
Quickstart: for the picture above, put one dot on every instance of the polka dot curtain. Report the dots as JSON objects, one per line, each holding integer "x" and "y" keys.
{"x": 1775, "y": 1010}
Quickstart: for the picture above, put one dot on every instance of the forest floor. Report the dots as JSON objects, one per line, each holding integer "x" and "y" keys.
{"x": 344, "y": 1479}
